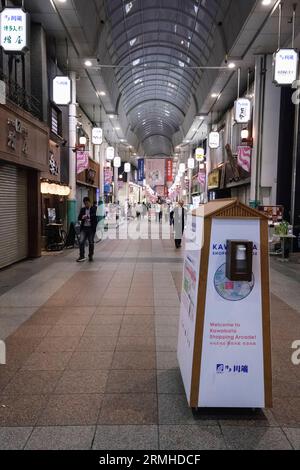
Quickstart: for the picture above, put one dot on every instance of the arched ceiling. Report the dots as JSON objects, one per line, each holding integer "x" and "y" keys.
{"x": 154, "y": 45}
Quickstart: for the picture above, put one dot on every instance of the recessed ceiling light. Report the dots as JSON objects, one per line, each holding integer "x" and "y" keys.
{"x": 265, "y": 3}
{"x": 231, "y": 65}
{"x": 88, "y": 63}
{"x": 102, "y": 93}
{"x": 117, "y": 128}
{"x": 214, "y": 95}
{"x": 111, "y": 116}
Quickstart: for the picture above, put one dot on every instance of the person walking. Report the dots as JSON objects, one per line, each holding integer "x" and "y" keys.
{"x": 179, "y": 220}
{"x": 88, "y": 225}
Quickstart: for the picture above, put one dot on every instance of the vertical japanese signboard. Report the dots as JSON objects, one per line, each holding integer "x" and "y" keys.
{"x": 14, "y": 30}
{"x": 169, "y": 170}
{"x": 242, "y": 110}
{"x": 285, "y": 66}
{"x": 141, "y": 170}
{"x": 61, "y": 91}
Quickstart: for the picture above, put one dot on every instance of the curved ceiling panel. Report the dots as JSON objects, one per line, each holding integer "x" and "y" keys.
{"x": 155, "y": 45}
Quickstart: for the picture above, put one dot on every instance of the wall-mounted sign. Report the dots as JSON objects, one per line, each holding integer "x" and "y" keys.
{"x": 199, "y": 154}
{"x": 14, "y": 29}
{"x": 285, "y": 66}
{"x": 242, "y": 110}
{"x": 110, "y": 153}
{"x": 244, "y": 158}
{"x": 82, "y": 161}
{"x": 214, "y": 140}
{"x": 61, "y": 91}
{"x": 53, "y": 166}
{"x": 97, "y": 136}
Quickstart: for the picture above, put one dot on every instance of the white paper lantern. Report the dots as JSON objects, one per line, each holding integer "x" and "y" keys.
{"x": 127, "y": 168}
{"x": 82, "y": 140}
{"x": 117, "y": 162}
{"x": 191, "y": 163}
{"x": 182, "y": 167}
{"x": 110, "y": 153}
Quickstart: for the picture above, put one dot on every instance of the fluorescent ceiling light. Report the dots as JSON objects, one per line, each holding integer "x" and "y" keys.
{"x": 231, "y": 65}
{"x": 88, "y": 63}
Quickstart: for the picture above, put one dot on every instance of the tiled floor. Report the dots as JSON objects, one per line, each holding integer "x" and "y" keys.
{"x": 91, "y": 358}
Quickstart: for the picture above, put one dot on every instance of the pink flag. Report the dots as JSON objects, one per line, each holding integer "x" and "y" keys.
{"x": 244, "y": 158}
{"x": 82, "y": 161}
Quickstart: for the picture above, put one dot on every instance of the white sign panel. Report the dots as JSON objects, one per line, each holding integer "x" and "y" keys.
{"x": 14, "y": 30}
{"x": 214, "y": 140}
{"x": 199, "y": 154}
{"x": 285, "y": 66}
{"x": 242, "y": 110}
{"x": 97, "y": 136}
{"x": 232, "y": 366}
{"x": 189, "y": 299}
{"x": 62, "y": 91}
{"x": 110, "y": 153}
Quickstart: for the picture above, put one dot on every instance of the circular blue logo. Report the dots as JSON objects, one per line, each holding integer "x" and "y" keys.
{"x": 233, "y": 291}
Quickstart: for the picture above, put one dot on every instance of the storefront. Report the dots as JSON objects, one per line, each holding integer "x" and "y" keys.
{"x": 88, "y": 184}
{"x": 23, "y": 156}
{"x": 54, "y": 193}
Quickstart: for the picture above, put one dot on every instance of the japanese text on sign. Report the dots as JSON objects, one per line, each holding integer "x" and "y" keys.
{"x": 13, "y": 29}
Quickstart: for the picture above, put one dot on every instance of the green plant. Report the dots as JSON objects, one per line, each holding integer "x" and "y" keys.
{"x": 282, "y": 228}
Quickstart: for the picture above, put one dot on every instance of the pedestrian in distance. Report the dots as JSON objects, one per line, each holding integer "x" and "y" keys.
{"x": 88, "y": 226}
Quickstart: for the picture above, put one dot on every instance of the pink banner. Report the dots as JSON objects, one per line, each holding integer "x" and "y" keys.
{"x": 202, "y": 177}
{"x": 82, "y": 161}
{"x": 155, "y": 172}
{"x": 244, "y": 158}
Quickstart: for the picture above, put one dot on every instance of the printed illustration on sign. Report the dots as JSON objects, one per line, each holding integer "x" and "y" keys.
{"x": 231, "y": 290}
{"x": 190, "y": 288}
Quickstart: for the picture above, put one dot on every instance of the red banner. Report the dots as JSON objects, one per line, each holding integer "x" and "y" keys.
{"x": 169, "y": 170}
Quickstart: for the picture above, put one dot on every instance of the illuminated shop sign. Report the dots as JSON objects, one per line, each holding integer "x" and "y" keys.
{"x": 14, "y": 30}
{"x": 242, "y": 111}
{"x": 214, "y": 140}
{"x": 97, "y": 136}
{"x": 285, "y": 66}
{"x": 62, "y": 91}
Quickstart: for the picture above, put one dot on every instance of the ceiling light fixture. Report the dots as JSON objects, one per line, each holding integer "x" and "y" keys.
{"x": 88, "y": 63}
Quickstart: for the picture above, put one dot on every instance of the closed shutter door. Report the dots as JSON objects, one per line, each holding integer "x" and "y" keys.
{"x": 13, "y": 214}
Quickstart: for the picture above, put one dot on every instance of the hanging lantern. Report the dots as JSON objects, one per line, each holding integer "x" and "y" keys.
{"x": 182, "y": 167}
{"x": 245, "y": 134}
{"x": 199, "y": 154}
{"x": 82, "y": 140}
{"x": 214, "y": 140}
{"x": 127, "y": 168}
{"x": 110, "y": 153}
{"x": 191, "y": 163}
{"x": 117, "y": 162}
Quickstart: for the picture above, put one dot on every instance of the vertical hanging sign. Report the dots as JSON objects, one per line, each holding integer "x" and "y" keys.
{"x": 285, "y": 66}
{"x": 61, "y": 91}
{"x": 169, "y": 170}
{"x": 14, "y": 30}
{"x": 141, "y": 169}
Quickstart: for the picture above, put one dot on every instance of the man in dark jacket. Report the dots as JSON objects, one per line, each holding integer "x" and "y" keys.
{"x": 88, "y": 221}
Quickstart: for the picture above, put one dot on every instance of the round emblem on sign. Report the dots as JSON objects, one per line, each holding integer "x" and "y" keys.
{"x": 231, "y": 290}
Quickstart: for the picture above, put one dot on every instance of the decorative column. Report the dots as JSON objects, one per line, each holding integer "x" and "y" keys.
{"x": 72, "y": 203}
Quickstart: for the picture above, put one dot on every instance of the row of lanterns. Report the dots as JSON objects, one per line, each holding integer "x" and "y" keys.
{"x": 54, "y": 189}
{"x": 110, "y": 155}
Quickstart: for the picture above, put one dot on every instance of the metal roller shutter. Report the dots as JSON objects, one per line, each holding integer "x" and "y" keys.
{"x": 13, "y": 214}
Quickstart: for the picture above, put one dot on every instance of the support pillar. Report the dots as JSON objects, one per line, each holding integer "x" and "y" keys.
{"x": 72, "y": 203}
